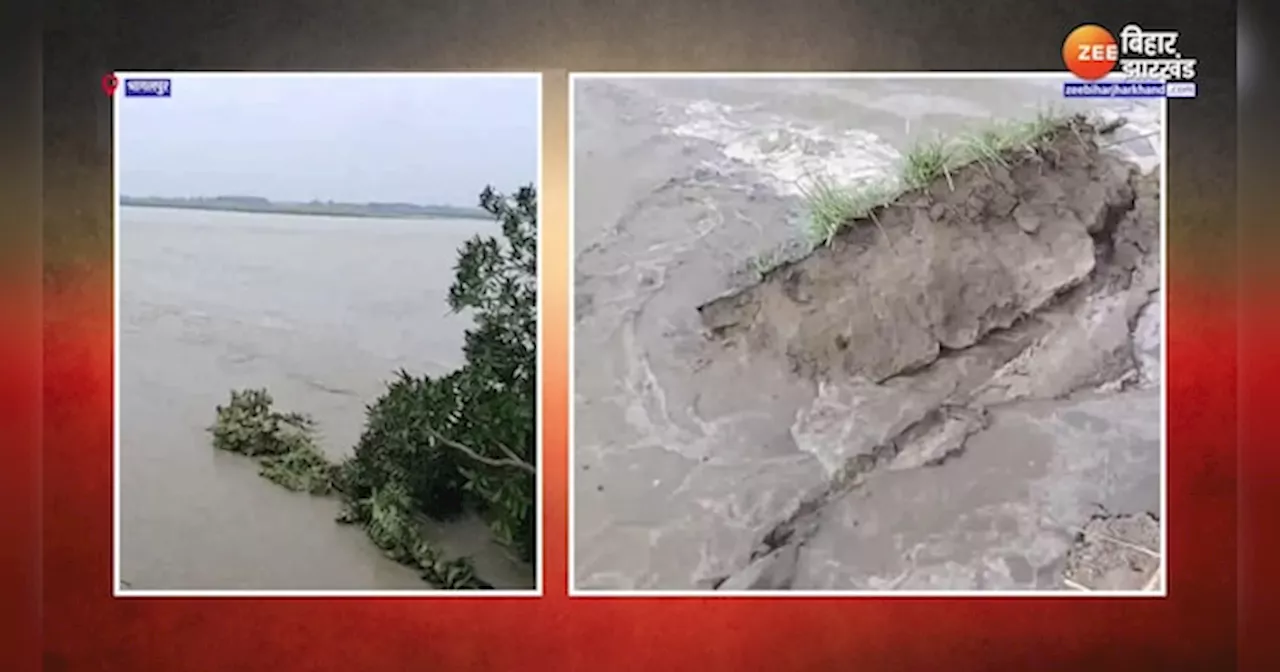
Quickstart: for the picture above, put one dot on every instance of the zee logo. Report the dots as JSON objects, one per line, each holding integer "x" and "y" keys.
{"x": 1090, "y": 52}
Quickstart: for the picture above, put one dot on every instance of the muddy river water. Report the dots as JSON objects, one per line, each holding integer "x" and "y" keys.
{"x": 320, "y": 311}
{"x": 685, "y": 457}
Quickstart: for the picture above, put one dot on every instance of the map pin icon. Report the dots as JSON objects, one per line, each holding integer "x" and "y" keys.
{"x": 109, "y": 84}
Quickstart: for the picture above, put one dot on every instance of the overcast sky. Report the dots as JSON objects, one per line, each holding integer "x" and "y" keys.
{"x": 426, "y": 140}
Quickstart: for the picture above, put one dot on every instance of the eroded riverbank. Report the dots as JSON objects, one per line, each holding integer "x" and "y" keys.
{"x": 944, "y": 401}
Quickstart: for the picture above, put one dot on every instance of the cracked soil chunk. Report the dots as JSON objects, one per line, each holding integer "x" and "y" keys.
{"x": 955, "y": 273}
{"x": 1116, "y": 553}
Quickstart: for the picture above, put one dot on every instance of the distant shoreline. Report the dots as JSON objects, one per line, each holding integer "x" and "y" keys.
{"x": 372, "y": 210}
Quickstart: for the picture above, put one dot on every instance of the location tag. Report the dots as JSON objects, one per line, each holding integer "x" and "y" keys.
{"x": 109, "y": 84}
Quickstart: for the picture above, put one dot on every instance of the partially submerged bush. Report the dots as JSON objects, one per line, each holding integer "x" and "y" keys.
{"x": 302, "y": 470}
{"x": 391, "y": 525}
{"x": 433, "y": 447}
{"x": 467, "y": 439}
{"x": 249, "y": 426}
{"x": 284, "y": 443}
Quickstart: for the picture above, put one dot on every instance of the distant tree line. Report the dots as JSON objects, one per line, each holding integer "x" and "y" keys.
{"x": 315, "y": 207}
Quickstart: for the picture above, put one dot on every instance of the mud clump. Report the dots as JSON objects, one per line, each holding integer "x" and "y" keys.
{"x": 969, "y": 256}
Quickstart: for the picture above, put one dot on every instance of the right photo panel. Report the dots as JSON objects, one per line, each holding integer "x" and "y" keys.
{"x": 878, "y": 334}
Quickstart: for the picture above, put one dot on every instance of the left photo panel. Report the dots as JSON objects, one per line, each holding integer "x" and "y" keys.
{"x": 326, "y": 328}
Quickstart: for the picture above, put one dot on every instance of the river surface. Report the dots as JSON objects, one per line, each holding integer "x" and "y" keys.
{"x": 319, "y": 310}
{"x": 679, "y": 184}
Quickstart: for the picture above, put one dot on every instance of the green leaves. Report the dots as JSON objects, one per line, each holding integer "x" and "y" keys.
{"x": 249, "y": 426}
{"x": 433, "y": 446}
{"x": 284, "y": 443}
{"x": 467, "y": 440}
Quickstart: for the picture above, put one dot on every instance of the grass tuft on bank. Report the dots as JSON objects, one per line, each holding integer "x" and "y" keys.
{"x": 830, "y": 207}
{"x": 433, "y": 447}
